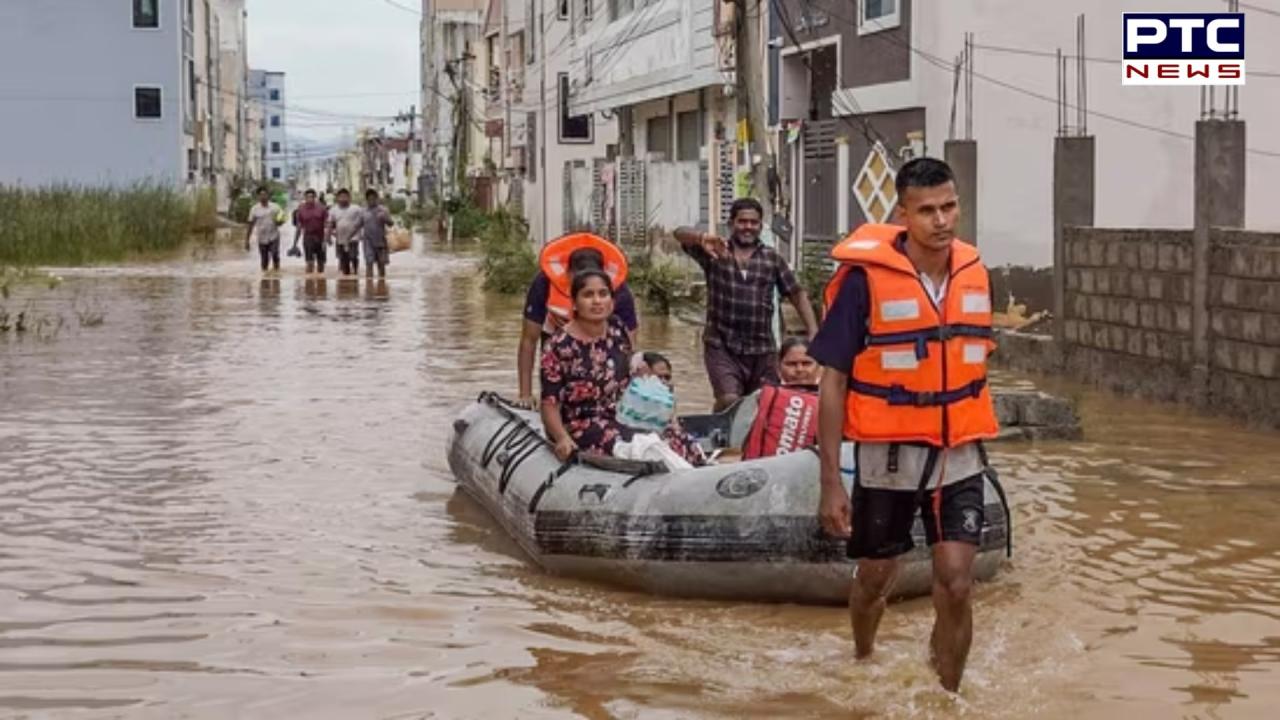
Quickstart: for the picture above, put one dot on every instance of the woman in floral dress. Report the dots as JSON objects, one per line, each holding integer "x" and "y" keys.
{"x": 585, "y": 369}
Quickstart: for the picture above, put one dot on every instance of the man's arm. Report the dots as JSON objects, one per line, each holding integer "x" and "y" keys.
{"x": 530, "y": 334}
{"x": 835, "y": 347}
{"x": 700, "y": 245}
{"x": 833, "y": 508}
{"x": 800, "y": 299}
{"x": 791, "y": 288}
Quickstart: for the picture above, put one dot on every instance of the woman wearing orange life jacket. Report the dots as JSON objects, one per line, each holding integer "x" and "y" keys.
{"x": 548, "y": 306}
{"x": 904, "y": 347}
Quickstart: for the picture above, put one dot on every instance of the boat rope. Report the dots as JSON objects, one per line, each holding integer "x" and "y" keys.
{"x": 491, "y": 447}
{"x": 523, "y": 451}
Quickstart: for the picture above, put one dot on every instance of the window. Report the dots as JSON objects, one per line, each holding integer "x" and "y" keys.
{"x": 573, "y": 128}
{"x": 658, "y": 137}
{"x": 618, "y": 8}
{"x": 275, "y": 173}
{"x": 531, "y": 42}
{"x": 275, "y": 148}
{"x": 531, "y": 140}
{"x": 877, "y": 15}
{"x": 275, "y": 121}
{"x": 562, "y": 10}
{"x": 274, "y": 94}
{"x": 688, "y": 137}
{"x": 146, "y": 14}
{"x": 146, "y": 103}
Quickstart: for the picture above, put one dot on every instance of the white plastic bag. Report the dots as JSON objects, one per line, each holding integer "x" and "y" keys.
{"x": 652, "y": 448}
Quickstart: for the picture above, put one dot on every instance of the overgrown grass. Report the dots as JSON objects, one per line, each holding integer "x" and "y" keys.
{"x": 660, "y": 282}
{"x": 469, "y": 221}
{"x": 509, "y": 260}
{"x": 67, "y": 225}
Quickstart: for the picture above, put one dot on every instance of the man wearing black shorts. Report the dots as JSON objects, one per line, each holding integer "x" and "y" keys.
{"x": 904, "y": 347}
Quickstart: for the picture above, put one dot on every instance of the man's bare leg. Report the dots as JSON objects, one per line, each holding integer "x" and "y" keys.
{"x": 867, "y": 600}
{"x": 953, "y": 628}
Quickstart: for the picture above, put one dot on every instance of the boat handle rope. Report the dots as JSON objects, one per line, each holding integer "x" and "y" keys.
{"x": 524, "y": 450}
{"x": 491, "y": 447}
{"x": 551, "y": 480}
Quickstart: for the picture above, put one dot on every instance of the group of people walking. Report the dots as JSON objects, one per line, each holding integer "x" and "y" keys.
{"x": 345, "y": 226}
{"x": 902, "y": 351}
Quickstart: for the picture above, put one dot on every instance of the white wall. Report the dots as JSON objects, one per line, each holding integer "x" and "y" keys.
{"x": 663, "y": 47}
{"x": 550, "y": 185}
{"x": 1144, "y": 178}
{"x": 66, "y": 94}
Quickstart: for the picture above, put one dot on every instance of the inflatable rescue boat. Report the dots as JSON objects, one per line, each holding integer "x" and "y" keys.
{"x": 744, "y": 530}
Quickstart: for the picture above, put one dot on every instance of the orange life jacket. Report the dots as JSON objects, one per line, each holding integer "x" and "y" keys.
{"x": 786, "y": 421}
{"x": 922, "y": 376}
{"x": 554, "y": 262}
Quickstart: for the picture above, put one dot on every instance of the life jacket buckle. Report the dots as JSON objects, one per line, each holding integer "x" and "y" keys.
{"x": 926, "y": 399}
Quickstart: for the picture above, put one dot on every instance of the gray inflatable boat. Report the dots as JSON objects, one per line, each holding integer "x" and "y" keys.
{"x": 745, "y": 530}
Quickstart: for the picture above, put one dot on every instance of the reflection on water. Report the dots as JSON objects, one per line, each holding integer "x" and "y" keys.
{"x": 231, "y": 499}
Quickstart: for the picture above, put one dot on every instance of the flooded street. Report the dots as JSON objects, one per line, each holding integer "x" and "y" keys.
{"x": 231, "y": 499}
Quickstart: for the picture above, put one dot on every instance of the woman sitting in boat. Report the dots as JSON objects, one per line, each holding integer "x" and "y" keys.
{"x": 787, "y": 418}
{"x": 795, "y": 367}
{"x": 585, "y": 369}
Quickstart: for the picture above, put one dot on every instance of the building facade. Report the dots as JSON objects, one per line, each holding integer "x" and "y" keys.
{"x": 453, "y": 93}
{"x": 854, "y": 75}
{"x": 267, "y": 91}
{"x": 130, "y": 101}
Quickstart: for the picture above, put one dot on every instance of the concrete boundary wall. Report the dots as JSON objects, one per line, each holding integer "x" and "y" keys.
{"x": 1129, "y": 303}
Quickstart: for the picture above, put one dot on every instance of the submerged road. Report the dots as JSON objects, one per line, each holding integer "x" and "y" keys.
{"x": 230, "y": 499}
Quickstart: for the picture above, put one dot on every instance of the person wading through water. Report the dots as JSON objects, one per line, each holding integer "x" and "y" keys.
{"x": 548, "y": 307}
{"x": 309, "y": 223}
{"x": 904, "y": 349}
{"x": 739, "y": 349}
{"x": 344, "y": 228}
{"x": 265, "y": 219}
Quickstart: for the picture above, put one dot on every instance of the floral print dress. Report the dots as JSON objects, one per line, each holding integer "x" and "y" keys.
{"x": 586, "y": 379}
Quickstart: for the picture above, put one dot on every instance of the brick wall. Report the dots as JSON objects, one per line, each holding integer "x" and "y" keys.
{"x": 1244, "y": 322}
{"x": 1127, "y": 319}
{"x": 1128, "y": 305}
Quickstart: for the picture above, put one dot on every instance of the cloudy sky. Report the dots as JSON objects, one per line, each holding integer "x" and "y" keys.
{"x": 348, "y": 62}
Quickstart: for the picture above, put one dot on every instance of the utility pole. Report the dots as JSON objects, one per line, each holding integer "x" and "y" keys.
{"x": 752, "y": 123}
{"x": 542, "y": 116}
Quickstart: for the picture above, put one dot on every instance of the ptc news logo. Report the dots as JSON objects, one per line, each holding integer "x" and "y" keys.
{"x": 1183, "y": 49}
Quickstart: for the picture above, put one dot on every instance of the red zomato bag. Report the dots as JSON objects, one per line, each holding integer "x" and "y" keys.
{"x": 786, "y": 421}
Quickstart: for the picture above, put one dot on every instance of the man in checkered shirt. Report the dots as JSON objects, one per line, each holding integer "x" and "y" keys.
{"x": 739, "y": 349}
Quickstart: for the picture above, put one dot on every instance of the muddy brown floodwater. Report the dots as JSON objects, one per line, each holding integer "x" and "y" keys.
{"x": 230, "y": 499}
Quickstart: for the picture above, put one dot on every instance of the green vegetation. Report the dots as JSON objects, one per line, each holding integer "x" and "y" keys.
{"x": 240, "y": 208}
{"x": 660, "y": 282}
{"x": 419, "y": 215}
{"x": 396, "y": 205}
{"x": 814, "y": 275}
{"x": 509, "y": 260}
{"x": 469, "y": 221}
{"x": 67, "y": 225}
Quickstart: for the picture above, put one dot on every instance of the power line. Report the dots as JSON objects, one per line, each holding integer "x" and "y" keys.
{"x": 405, "y": 8}
{"x": 1100, "y": 60}
{"x": 867, "y": 128}
{"x": 942, "y": 64}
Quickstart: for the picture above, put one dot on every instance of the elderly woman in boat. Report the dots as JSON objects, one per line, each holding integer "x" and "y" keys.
{"x": 585, "y": 369}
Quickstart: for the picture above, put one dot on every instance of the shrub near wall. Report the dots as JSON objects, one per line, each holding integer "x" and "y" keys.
{"x": 67, "y": 225}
